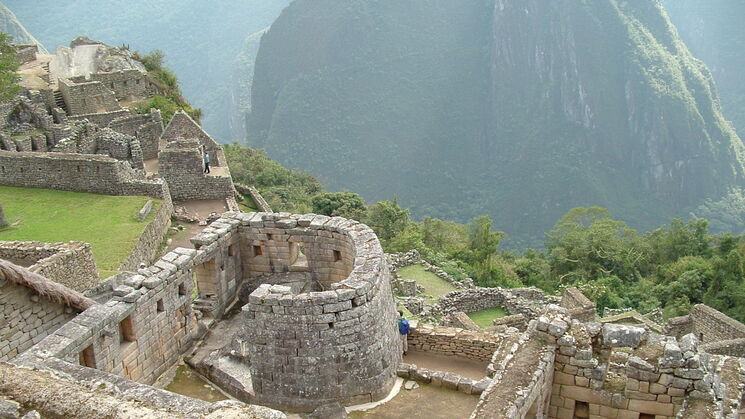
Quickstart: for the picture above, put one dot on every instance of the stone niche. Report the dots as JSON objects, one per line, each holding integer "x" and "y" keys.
{"x": 325, "y": 331}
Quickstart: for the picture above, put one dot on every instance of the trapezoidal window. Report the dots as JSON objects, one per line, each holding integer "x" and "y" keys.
{"x": 581, "y": 410}
{"x": 87, "y": 357}
{"x": 159, "y": 307}
{"x": 258, "y": 251}
{"x": 337, "y": 256}
{"x": 231, "y": 250}
{"x": 126, "y": 331}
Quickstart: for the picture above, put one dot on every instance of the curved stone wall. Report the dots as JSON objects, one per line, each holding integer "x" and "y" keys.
{"x": 341, "y": 344}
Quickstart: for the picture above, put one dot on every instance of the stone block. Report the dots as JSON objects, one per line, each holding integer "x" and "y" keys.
{"x": 616, "y": 335}
{"x": 651, "y": 407}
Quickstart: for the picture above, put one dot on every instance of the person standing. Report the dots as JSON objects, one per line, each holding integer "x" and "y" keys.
{"x": 206, "y": 162}
{"x": 403, "y": 331}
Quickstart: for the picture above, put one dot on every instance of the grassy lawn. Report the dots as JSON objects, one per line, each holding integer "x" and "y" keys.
{"x": 108, "y": 223}
{"x": 484, "y": 318}
{"x": 434, "y": 287}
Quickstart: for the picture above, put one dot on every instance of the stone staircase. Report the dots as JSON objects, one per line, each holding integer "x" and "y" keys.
{"x": 205, "y": 304}
{"x": 59, "y": 101}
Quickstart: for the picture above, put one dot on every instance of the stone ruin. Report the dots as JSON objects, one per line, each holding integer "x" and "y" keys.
{"x": 314, "y": 329}
{"x": 293, "y": 312}
{"x": 71, "y": 129}
{"x": 320, "y": 334}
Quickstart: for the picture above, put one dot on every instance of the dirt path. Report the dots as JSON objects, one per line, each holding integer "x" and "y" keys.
{"x": 423, "y": 402}
{"x": 473, "y": 369}
{"x": 200, "y": 209}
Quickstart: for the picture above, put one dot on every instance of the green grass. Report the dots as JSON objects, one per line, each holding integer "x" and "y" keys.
{"x": 484, "y": 318}
{"x": 108, "y": 223}
{"x": 434, "y": 286}
{"x": 248, "y": 204}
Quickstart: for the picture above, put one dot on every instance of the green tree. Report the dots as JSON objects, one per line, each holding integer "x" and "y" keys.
{"x": 284, "y": 189}
{"x": 445, "y": 236}
{"x": 411, "y": 237}
{"x": 171, "y": 100}
{"x": 388, "y": 219}
{"x": 342, "y": 204}
{"x": 587, "y": 243}
{"x": 8, "y": 70}
{"x": 482, "y": 241}
{"x": 679, "y": 239}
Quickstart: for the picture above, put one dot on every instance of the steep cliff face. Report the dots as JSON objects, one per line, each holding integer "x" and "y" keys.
{"x": 10, "y": 25}
{"x": 520, "y": 109}
{"x": 714, "y": 32}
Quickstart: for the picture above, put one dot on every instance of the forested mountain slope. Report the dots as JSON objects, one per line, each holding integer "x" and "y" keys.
{"x": 519, "y": 109}
{"x": 201, "y": 40}
{"x": 714, "y": 30}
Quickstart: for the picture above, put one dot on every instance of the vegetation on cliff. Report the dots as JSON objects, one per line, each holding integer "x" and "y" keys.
{"x": 172, "y": 100}
{"x": 8, "y": 70}
{"x": 714, "y": 32}
{"x": 521, "y": 111}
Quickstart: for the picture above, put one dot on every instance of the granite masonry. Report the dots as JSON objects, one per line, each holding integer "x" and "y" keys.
{"x": 298, "y": 309}
{"x": 325, "y": 331}
{"x": 69, "y": 264}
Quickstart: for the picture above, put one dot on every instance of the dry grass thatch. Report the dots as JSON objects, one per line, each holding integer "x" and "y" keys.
{"x": 43, "y": 286}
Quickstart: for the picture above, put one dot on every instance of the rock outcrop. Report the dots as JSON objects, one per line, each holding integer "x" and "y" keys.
{"x": 522, "y": 110}
{"x": 3, "y": 220}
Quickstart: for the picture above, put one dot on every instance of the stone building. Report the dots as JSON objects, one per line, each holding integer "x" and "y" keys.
{"x": 31, "y": 308}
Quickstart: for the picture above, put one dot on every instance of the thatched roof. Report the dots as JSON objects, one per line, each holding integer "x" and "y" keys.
{"x": 43, "y": 286}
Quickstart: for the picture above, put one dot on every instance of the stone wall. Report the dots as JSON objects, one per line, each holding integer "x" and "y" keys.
{"x": 412, "y": 257}
{"x": 127, "y": 85}
{"x": 522, "y": 383}
{"x": 25, "y": 53}
{"x": 87, "y": 97}
{"x": 617, "y": 371}
{"x": 255, "y": 195}
{"x": 140, "y": 333}
{"x": 526, "y": 301}
{"x": 679, "y": 326}
{"x": 710, "y": 325}
{"x": 70, "y": 264}
{"x": 146, "y": 128}
{"x": 26, "y": 318}
{"x": 312, "y": 348}
{"x": 732, "y": 347}
{"x": 101, "y": 119}
{"x": 72, "y": 391}
{"x": 460, "y": 320}
{"x": 579, "y": 306}
{"x": 518, "y": 321}
{"x": 447, "y": 380}
{"x": 182, "y": 126}
{"x": 454, "y": 342}
{"x": 180, "y": 164}
{"x": 148, "y": 245}
{"x": 75, "y": 172}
